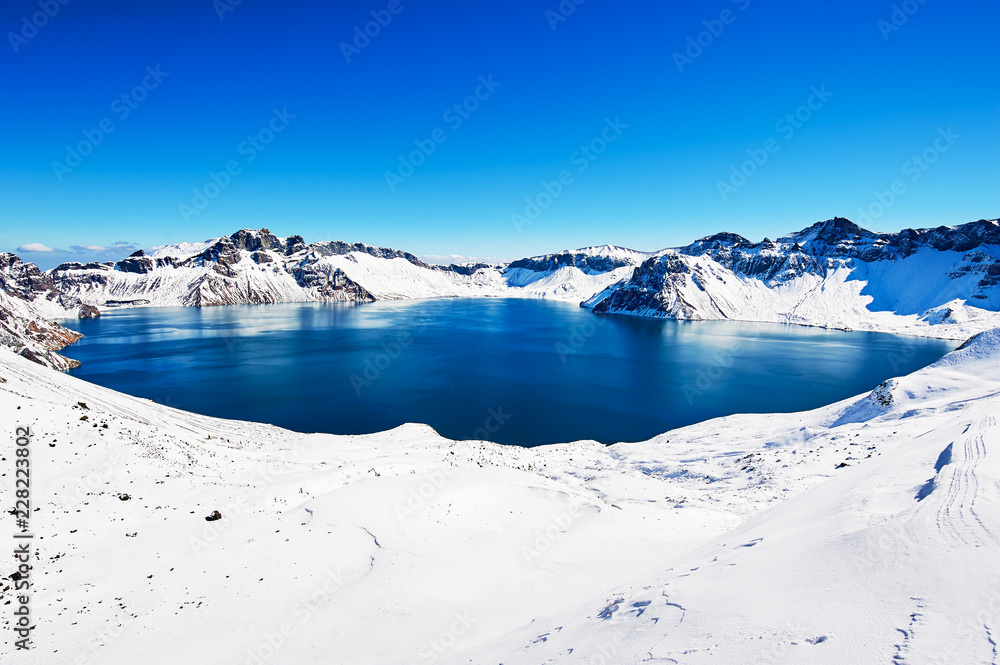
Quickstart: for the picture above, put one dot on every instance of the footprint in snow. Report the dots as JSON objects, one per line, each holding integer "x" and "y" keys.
{"x": 610, "y": 609}
{"x": 640, "y": 607}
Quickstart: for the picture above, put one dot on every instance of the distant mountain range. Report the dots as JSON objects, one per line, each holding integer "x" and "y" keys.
{"x": 251, "y": 267}
{"x": 834, "y": 274}
{"x": 940, "y": 282}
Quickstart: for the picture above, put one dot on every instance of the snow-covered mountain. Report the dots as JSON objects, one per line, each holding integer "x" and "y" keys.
{"x": 866, "y": 531}
{"x": 254, "y": 266}
{"x": 942, "y": 282}
{"x": 28, "y": 302}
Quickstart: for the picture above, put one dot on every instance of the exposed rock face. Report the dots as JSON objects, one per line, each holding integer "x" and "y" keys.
{"x": 27, "y": 298}
{"x": 27, "y": 282}
{"x": 88, "y": 312}
{"x": 933, "y": 274}
{"x": 338, "y": 248}
{"x": 466, "y": 269}
{"x": 248, "y": 267}
{"x": 331, "y": 284}
{"x": 833, "y": 273}
{"x": 656, "y": 286}
{"x": 604, "y": 260}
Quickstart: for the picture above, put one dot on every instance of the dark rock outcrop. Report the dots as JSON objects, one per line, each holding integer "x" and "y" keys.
{"x": 587, "y": 263}
{"x": 654, "y": 288}
{"x": 27, "y": 298}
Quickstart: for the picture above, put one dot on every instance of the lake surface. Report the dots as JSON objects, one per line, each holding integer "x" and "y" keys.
{"x": 524, "y": 372}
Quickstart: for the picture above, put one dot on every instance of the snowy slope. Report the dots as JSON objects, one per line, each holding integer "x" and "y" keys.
{"x": 862, "y": 532}
{"x": 25, "y": 331}
{"x": 942, "y": 282}
{"x": 183, "y": 250}
{"x": 891, "y": 561}
{"x": 254, "y": 266}
{"x": 28, "y": 302}
{"x": 936, "y": 282}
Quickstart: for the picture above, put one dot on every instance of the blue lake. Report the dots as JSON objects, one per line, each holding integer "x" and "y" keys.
{"x": 524, "y": 372}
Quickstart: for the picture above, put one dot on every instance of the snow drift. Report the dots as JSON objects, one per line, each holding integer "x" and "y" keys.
{"x": 840, "y": 535}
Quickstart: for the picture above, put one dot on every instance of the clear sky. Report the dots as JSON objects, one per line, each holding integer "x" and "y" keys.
{"x": 648, "y": 113}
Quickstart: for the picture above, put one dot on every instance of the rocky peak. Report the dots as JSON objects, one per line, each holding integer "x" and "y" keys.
{"x": 136, "y": 263}
{"x": 294, "y": 244}
{"x": 23, "y": 280}
{"x": 715, "y": 241}
{"x": 27, "y": 297}
{"x": 76, "y": 265}
{"x": 338, "y": 247}
{"x": 581, "y": 259}
{"x": 960, "y": 238}
{"x": 830, "y": 232}
{"x": 255, "y": 241}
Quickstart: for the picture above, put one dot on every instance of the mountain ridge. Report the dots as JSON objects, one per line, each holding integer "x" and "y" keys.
{"x": 945, "y": 276}
{"x": 942, "y": 281}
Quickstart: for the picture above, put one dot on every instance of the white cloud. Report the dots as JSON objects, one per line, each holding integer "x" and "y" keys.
{"x": 91, "y": 252}
{"x": 34, "y": 247}
{"x": 119, "y": 247}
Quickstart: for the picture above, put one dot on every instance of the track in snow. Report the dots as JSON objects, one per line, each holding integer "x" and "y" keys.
{"x": 956, "y": 517}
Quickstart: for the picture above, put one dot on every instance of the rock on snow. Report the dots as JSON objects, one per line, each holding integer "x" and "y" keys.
{"x": 783, "y": 538}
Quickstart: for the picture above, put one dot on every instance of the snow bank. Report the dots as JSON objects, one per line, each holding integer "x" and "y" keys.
{"x": 789, "y": 538}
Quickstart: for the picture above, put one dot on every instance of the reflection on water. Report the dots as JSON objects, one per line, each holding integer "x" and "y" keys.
{"x": 526, "y": 372}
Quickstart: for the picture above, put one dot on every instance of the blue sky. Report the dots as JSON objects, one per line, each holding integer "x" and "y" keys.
{"x": 649, "y": 144}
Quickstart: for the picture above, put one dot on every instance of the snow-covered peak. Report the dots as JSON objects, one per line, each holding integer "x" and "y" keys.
{"x": 709, "y": 543}
{"x": 830, "y": 231}
{"x": 589, "y": 260}
{"x": 612, "y": 252}
{"x": 182, "y": 250}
